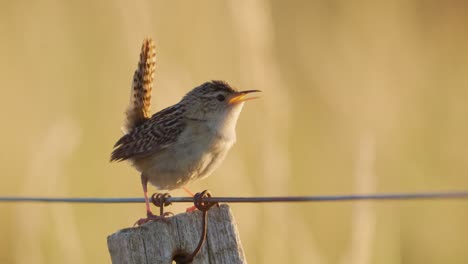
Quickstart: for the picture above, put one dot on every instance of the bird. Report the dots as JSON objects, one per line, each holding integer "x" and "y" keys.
{"x": 183, "y": 142}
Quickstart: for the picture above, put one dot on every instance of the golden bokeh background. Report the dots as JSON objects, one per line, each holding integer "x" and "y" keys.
{"x": 358, "y": 97}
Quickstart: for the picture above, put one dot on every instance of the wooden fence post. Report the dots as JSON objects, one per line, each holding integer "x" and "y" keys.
{"x": 158, "y": 242}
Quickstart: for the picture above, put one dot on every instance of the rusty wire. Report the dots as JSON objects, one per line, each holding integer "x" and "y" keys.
{"x": 203, "y": 207}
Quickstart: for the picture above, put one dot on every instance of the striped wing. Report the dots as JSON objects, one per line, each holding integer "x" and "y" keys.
{"x": 152, "y": 136}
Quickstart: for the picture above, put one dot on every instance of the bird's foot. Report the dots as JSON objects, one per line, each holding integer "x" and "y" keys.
{"x": 191, "y": 209}
{"x": 152, "y": 217}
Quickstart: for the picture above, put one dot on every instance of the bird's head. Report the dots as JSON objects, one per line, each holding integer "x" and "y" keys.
{"x": 216, "y": 101}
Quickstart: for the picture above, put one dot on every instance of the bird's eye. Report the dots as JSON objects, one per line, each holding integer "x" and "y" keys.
{"x": 220, "y": 97}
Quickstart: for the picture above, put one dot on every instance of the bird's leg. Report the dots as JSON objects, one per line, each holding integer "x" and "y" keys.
{"x": 144, "y": 184}
{"x": 188, "y": 191}
{"x": 192, "y": 208}
{"x": 149, "y": 214}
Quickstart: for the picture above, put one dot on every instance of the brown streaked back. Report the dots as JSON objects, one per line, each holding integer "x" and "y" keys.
{"x": 155, "y": 134}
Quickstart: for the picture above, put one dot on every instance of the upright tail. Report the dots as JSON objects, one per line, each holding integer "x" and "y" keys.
{"x": 140, "y": 98}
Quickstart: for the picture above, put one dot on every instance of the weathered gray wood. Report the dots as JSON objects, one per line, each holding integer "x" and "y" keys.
{"x": 158, "y": 242}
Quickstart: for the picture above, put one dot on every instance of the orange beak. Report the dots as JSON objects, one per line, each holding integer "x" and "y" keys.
{"x": 241, "y": 96}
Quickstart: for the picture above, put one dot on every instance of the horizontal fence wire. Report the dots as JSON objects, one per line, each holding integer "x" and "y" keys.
{"x": 272, "y": 199}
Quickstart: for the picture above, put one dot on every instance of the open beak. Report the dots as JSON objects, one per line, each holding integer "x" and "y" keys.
{"x": 241, "y": 96}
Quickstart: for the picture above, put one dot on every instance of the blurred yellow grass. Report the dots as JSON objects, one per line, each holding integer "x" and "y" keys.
{"x": 358, "y": 96}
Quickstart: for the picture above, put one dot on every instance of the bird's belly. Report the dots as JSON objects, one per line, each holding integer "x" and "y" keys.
{"x": 185, "y": 161}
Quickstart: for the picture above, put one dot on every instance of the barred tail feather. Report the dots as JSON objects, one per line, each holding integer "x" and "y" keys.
{"x": 138, "y": 109}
